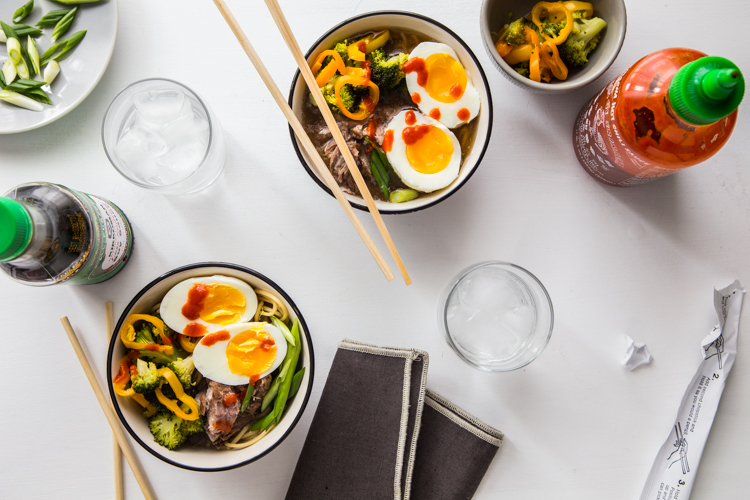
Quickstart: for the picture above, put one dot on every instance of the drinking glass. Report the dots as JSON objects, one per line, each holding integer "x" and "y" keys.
{"x": 161, "y": 135}
{"x": 496, "y": 316}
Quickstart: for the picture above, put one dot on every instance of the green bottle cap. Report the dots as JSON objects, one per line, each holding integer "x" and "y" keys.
{"x": 706, "y": 90}
{"x": 15, "y": 229}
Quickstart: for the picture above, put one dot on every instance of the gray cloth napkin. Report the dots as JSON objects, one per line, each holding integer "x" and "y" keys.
{"x": 378, "y": 433}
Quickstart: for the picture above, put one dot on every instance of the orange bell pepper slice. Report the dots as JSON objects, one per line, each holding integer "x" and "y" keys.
{"x": 365, "y": 109}
{"x": 553, "y": 61}
{"x": 551, "y": 8}
{"x": 503, "y": 47}
{"x": 534, "y": 69}
{"x": 340, "y": 66}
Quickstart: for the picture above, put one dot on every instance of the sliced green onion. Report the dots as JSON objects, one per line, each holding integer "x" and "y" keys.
{"x": 8, "y": 31}
{"x": 25, "y": 29}
{"x": 271, "y": 394}
{"x": 63, "y": 46}
{"x": 63, "y": 24}
{"x": 20, "y": 100}
{"x": 38, "y": 95}
{"x": 21, "y": 85}
{"x": 23, "y": 69}
{"x": 75, "y": 2}
{"x": 248, "y": 396}
{"x": 33, "y": 55}
{"x": 283, "y": 328}
{"x": 51, "y": 71}
{"x": 296, "y": 382}
{"x": 380, "y": 168}
{"x": 52, "y": 17}
{"x": 23, "y": 11}
{"x": 14, "y": 50}
{"x": 402, "y": 195}
{"x": 9, "y": 71}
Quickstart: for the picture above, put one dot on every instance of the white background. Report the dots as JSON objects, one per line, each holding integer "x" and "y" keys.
{"x": 640, "y": 261}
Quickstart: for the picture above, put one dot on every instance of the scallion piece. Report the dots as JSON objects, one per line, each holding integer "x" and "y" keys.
{"x": 75, "y": 2}
{"x": 52, "y": 17}
{"x": 51, "y": 72}
{"x": 33, "y": 55}
{"x": 38, "y": 95}
{"x": 25, "y": 29}
{"x": 20, "y": 100}
{"x": 248, "y": 397}
{"x": 21, "y": 85}
{"x": 23, "y": 69}
{"x": 296, "y": 382}
{"x": 9, "y": 32}
{"x": 271, "y": 394}
{"x": 9, "y": 71}
{"x": 14, "y": 50}
{"x": 403, "y": 195}
{"x": 63, "y": 46}
{"x": 380, "y": 168}
{"x": 63, "y": 24}
{"x": 23, "y": 11}
{"x": 283, "y": 328}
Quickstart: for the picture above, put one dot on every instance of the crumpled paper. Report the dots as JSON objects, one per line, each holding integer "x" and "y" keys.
{"x": 636, "y": 355}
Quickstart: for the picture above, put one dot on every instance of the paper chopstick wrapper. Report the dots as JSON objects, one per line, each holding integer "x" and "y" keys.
{"x": 673, "y": 474}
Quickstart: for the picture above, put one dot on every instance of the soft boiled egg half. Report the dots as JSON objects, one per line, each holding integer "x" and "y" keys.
{"x": 440, "y": 85}
{"x": 198, "y": 306}
{"x": 239, "y": 353}
{"x": 422, "y": 151}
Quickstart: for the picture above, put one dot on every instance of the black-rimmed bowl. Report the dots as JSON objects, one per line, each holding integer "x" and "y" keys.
{"x": 409, "y": 21}
{"x": 200, "y": 458}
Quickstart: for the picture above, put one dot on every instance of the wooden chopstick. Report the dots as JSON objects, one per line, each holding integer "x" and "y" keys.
{"x": 306, "y": 72}
{"x": 109, "y": 413}
{"x": 318, "y": 163}
{"x": 116, "y": 453}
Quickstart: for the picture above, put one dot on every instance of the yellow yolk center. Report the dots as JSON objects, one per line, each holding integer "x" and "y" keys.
{"x": 431, "y": 153}
{"x": 446, "y": 80}
{"x": 223, "y": 305}
{"x": 251, "y": 352}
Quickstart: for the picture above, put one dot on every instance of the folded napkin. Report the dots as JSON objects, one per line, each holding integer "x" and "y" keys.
{"x": 378, "y": 433}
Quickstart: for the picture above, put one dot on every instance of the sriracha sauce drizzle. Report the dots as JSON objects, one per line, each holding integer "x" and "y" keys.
{"x": 410, "y": 135}
{"x": 213, "y": 338}
{"x": 388, "y": 141}
{"x": 196, "y": 296}
{"x": 417, "y": 64}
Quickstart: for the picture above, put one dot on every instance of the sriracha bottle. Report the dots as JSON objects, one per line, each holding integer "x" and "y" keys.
{"x": 671, "y": 110}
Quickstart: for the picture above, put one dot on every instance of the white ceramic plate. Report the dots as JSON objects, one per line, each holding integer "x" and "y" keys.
{"x": 79, "y": 72}
{"x": 208, "y": 459}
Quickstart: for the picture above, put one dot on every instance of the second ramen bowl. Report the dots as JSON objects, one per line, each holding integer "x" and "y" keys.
{"x": 430, "y": 30}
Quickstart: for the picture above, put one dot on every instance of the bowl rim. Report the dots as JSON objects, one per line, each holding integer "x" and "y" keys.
{"x": 490, "y": 110}
{"x": 560, "y": 87}
{"x": 115, "y": 337}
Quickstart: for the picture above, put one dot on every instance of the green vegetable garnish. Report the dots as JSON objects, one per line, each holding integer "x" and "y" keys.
{"x": 296, "y": 382}
{"x": 38, "y": 95}
{"x": 63, "y": 24}
{"x": 52, "y": 17}
{"x": 63, "y": 46}
{"x": 248, "y": 397}
{"x": 271, "y": 394}
{"x": 380, "y": 168}
{"x": 402, "y": 195}
{"x": 33, "y": 55}
{"x": 75, "y": 2}
{"x": 23, "y": 11}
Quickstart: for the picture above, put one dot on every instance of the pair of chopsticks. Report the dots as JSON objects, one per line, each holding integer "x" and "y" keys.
{"x": 119, "y": 441}
{"x": 318, "y": 163}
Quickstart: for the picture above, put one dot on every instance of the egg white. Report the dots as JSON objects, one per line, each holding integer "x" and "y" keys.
{"x": 171, "y": 305}
{"x": 402, "y": 167}
{"x": 212, "y": 363}
{"x": 448, "y": 110}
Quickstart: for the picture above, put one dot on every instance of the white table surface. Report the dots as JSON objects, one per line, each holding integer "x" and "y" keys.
{"x": 639, "y": 261}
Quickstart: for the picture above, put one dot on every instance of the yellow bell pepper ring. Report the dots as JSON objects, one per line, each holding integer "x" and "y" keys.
{"x": 519, "y": 53}
{"x": 365, "y": 109}
{"x": 176, "y": 386}
{"x": 551, "y": 8}
{"x": 186, "y": 343}
{"x": 357, "y": 50}
{"x": 138, "y": 398}
{"x": 375, "y": 41}
{"x": 340, "y": 66}
{"x": 553, "y": 61}
{"x": 127, "y": 334}
{"x": 573, "y": 7}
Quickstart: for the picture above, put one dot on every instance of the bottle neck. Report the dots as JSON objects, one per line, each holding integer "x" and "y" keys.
{"x": 41, "y": 237}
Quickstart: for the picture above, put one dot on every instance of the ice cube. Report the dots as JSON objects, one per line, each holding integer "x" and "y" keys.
{"x": 489, "y": 290}
{"x": 489, "y": 337}
{"x": 180, "y": 162}
{"x": 161, "y": 106}
{"x": 520, "y": 320}
{"x": 186, "y": 130}
{"x": 139, "y": 149}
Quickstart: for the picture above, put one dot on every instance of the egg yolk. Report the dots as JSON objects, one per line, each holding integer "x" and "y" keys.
{"x": 251, "y": 352}
{"x": 428, "y": 148}
{"x": 446, "y": 79}
{"x": 218, "y": 303}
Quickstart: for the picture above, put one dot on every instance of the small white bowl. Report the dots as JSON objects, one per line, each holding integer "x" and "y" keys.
{"x": 410, "y": 21}
{"x": 205, "y": 459}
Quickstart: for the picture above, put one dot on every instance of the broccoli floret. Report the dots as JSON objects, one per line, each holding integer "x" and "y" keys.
{"x": 190, "y": 427}
{"x": 145, "y": 334}
{"x": 147, "y": 378}
{"x": 579, "y": 14}
{"x": 386, "y": 71}
{"x": 166, "y": 428}
{"x": 553, "y": 29}
{"x": 160, "y": 358}
{"x": 578, "y": 46}
{"x": 522, "y": 68}
{"x": 516, "y": 33}
{"x": 151, "y": 398}
{"x": 343, "y": 51}
{"x": 351, "y": 96}
{"x": 184, "y": 368}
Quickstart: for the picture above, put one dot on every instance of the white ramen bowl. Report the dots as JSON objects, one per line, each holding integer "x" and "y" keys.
{"x": 408, "y": 21}
{"x": 206, "y": 459}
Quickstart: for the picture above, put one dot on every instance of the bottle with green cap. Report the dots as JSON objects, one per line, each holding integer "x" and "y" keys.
{"x": 671, "y": 110}
{"x": 51, "y": 234}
